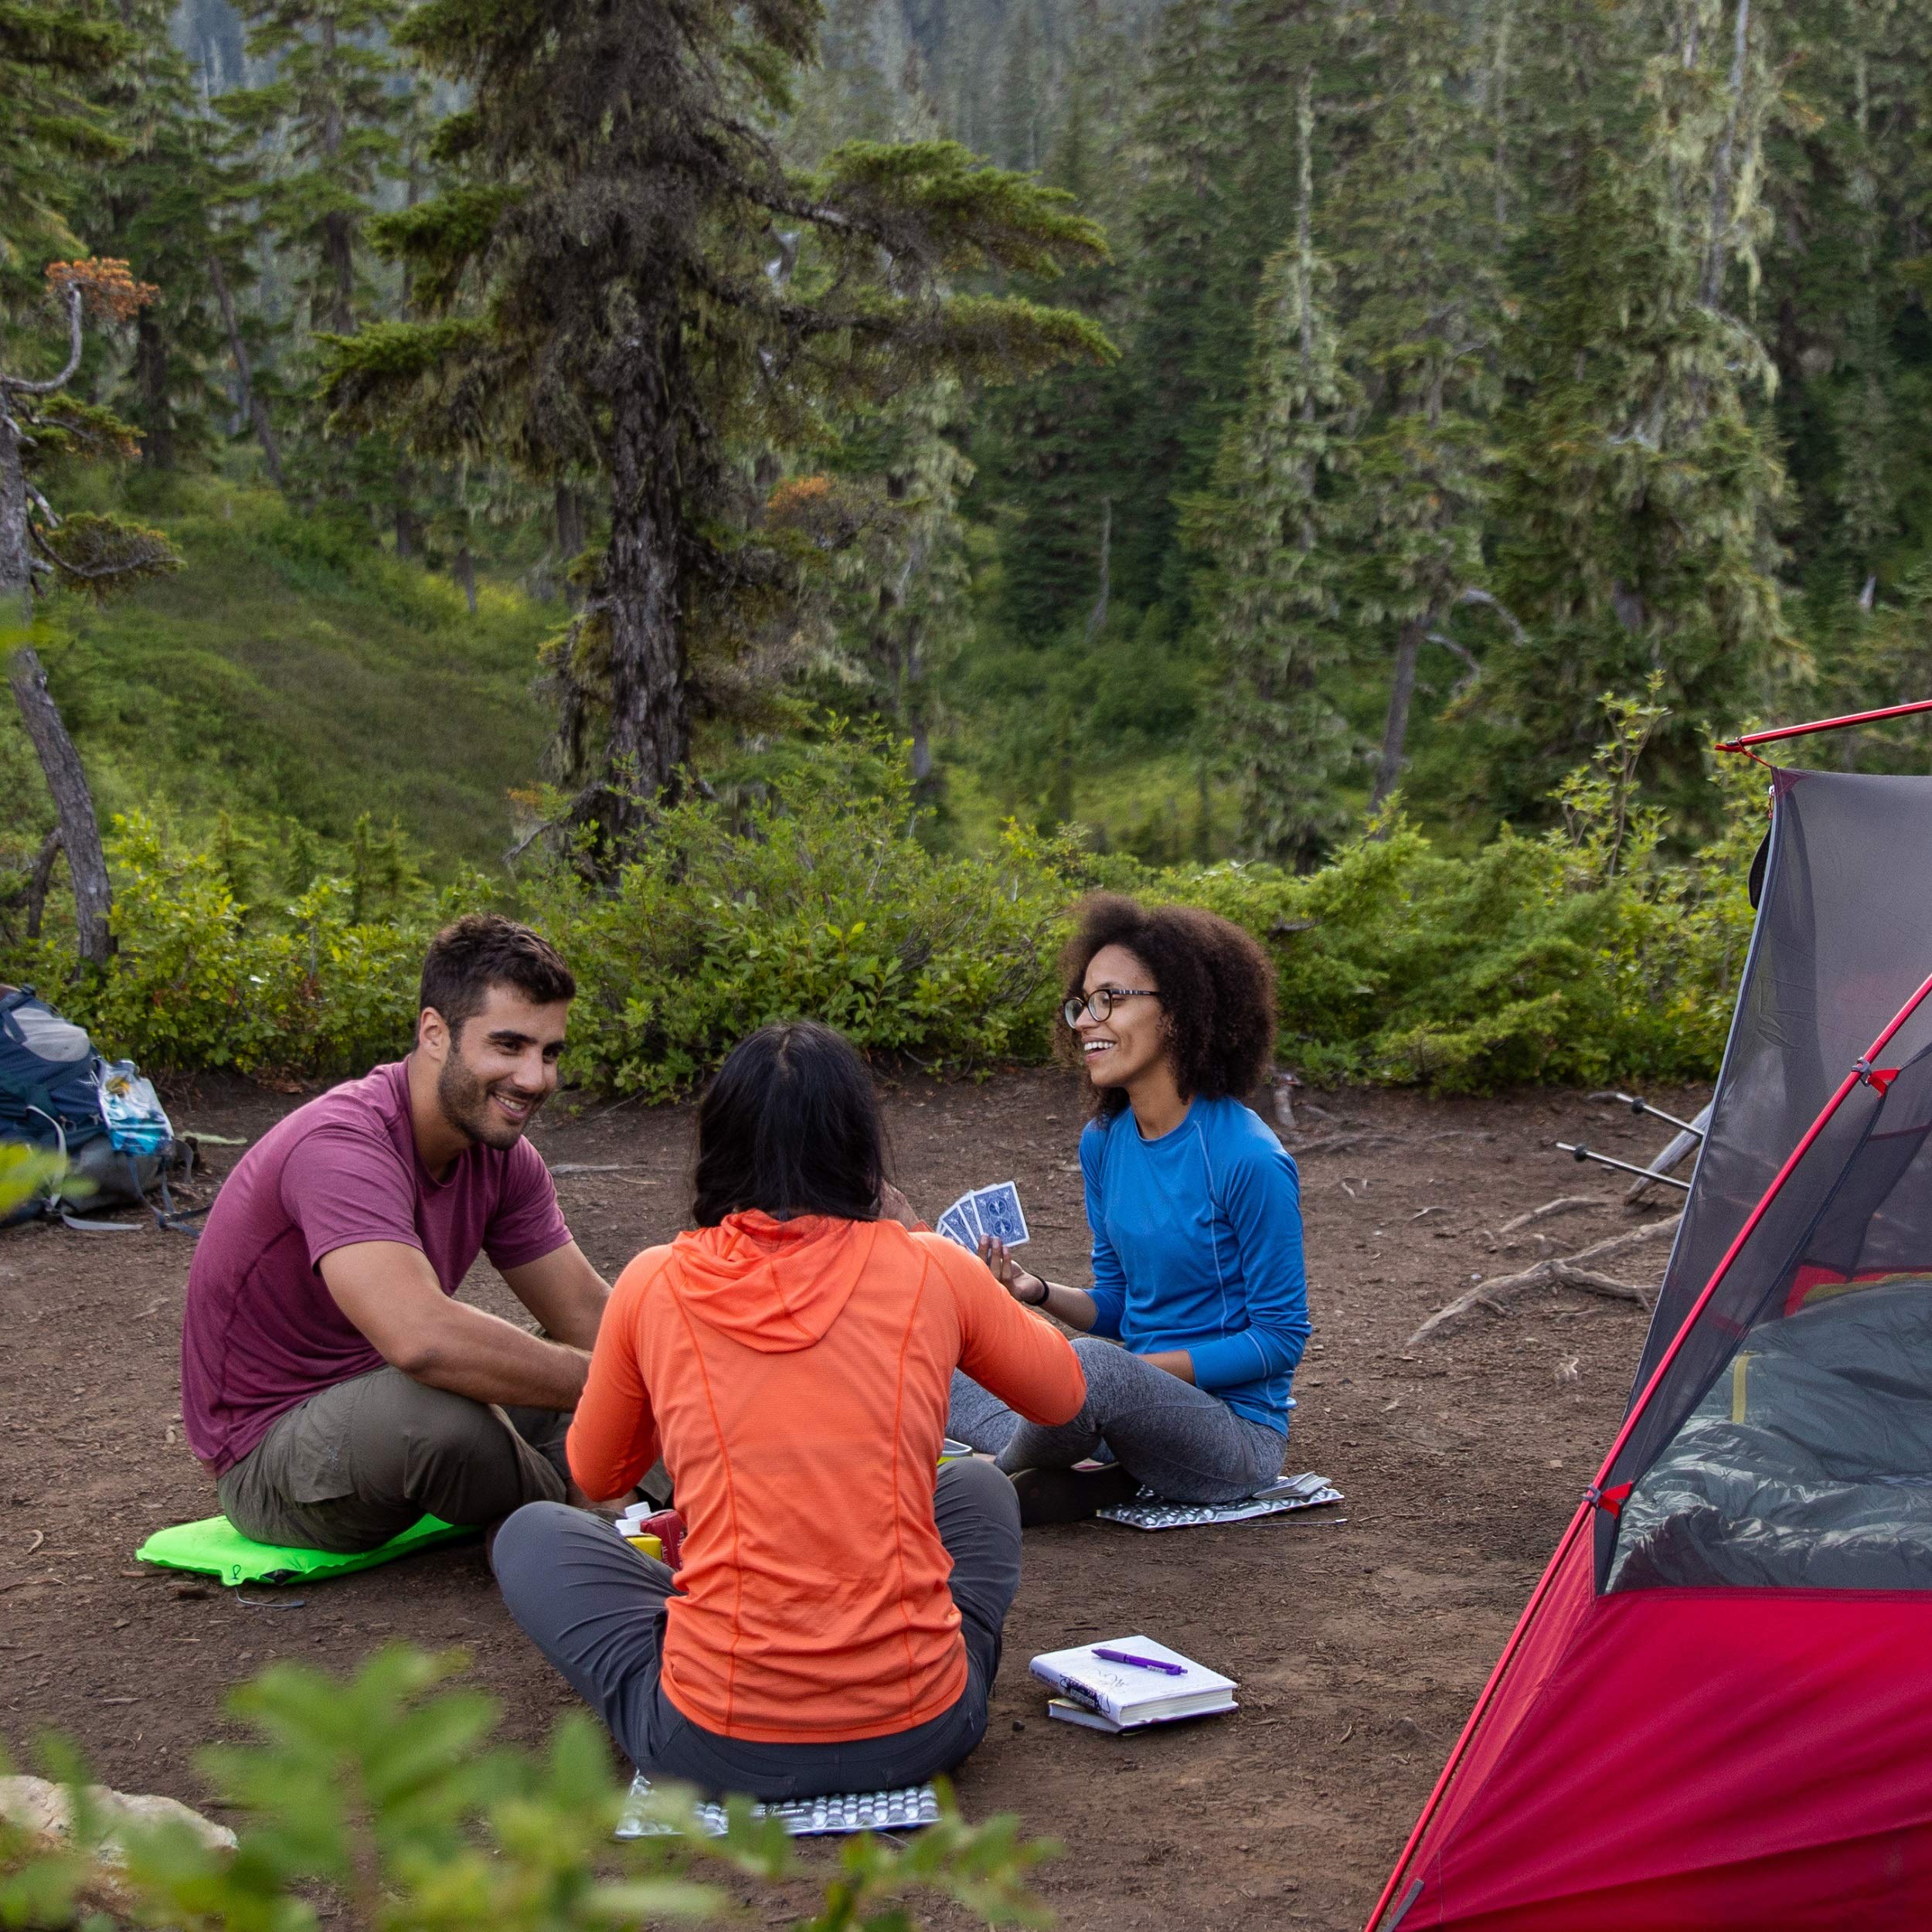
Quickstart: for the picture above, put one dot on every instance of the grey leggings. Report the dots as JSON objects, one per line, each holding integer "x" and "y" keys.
{"x": 595, "y": 1607}
{"x": 1181, "y": 1441}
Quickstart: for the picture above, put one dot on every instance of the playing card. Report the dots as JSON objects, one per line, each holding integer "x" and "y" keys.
{"x": 999, "y": 1213}
{"x": 956, "y": 1227}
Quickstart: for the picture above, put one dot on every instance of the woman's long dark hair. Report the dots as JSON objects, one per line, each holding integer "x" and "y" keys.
{"x": 790, "y": 1123}
{"x": 1216, "y": 985}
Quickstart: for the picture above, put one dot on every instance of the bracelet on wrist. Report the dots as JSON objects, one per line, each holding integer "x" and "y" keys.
{"x": 1046, "y": 1290}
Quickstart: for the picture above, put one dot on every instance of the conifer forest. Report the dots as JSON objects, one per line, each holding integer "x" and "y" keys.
{"x": 1211, "y": 430}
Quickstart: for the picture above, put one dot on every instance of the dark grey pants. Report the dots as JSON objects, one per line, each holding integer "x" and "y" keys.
{"x": 357, "y": 1464}
{"x": 595, "y": 1607}
{"x": 1183, "y": 1443}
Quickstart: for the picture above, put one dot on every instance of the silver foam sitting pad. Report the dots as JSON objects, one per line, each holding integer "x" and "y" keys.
{"x": 905, "y": 1810}
{"x": 1150, "y": 1511}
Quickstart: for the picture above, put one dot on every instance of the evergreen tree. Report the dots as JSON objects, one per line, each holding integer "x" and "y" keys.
{"x": 1272, "y": 527}
{"x": 898, "y": 603}
{"x": 54, "y": 60}
{"x": 1561, "y": 78}
{"x": 326, "y": 133}
{"x": 153, "y": 211}
{"x": 1189, "y": 332}
{"x": 1053, "y": 452}
{"x": 602, "y": 277}
{"x": 1019, "y": 136}
{"x": 861, "y": 87}
{"x": 1642, "y": 484}
{"x": 234, "y": 247}
{"x": 1846, "y": 183}
{"x": 1422, "y": 282}
{"x": 1272, "y": 44}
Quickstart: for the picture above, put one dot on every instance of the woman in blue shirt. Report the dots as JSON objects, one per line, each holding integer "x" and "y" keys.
{"x": 1196, "y": 1215}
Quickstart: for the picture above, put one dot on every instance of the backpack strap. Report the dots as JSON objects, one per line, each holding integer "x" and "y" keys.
{"x": 169, "y": 1218}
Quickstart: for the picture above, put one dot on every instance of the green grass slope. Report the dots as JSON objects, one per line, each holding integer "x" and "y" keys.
{"x": 292, "y": 671}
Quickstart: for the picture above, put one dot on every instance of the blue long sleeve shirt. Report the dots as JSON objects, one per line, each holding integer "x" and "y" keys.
{"x": 1197, "y": 1245}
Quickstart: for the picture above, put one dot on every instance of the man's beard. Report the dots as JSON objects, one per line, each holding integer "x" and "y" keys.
{"x": 465, "y": 1101}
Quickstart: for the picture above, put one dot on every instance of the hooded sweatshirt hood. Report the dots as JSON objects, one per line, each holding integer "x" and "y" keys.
{"x": 774, "y": 1286}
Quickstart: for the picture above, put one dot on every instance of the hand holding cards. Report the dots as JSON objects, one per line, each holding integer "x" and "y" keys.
{"x": 987, "y": 1213}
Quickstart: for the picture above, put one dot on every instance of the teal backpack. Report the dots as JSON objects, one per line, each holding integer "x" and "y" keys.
{"x": 104, "y": 1122}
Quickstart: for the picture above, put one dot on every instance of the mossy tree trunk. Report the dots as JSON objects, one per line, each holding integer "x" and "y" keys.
{"x": 73, "y": 805}
{"x": 59, "y": 762}
{"x": 649, "y": 714}
{"x": 26, "y": 676}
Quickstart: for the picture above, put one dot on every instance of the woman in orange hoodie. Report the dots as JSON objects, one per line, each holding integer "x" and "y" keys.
{"x": 835, "y": 1625}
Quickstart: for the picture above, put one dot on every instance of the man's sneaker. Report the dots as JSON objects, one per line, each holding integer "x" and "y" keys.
{"x": 1071, "y": 1495}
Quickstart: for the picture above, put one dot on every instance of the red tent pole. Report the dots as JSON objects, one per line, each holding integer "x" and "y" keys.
{"x": 1823, "y": 724}
{"x": 1588, "y": 1506}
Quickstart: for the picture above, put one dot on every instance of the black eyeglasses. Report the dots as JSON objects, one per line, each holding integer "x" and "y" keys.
{"x": 1099, "y": 1002}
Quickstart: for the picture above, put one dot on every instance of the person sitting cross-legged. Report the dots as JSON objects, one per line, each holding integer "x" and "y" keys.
{"x": 835, "y": 1626}
{"x": 1195, "y": 1212}
{"x": 331, "y": 1383}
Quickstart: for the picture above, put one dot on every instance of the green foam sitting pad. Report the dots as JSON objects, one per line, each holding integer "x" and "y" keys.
{"x": 216, "y": 1547}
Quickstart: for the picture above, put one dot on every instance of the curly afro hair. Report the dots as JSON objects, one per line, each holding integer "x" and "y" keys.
{"x": 1217, "y": 991}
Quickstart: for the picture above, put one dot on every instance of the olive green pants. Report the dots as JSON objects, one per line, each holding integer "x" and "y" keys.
{"x": 358, "y": 1463}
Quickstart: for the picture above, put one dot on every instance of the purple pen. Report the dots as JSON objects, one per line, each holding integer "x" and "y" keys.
{"x": 1138, "y": 1662}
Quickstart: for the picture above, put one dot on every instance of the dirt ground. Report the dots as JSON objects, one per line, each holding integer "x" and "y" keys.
{"x": 1359, "y": 1647}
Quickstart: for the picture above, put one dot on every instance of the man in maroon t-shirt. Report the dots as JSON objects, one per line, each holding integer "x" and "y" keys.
{"x": 331, "y": 1383}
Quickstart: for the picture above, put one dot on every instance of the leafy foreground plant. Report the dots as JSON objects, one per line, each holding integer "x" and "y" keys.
{"x": 24, "y": 1170}
{"x": 383, "y": 1798}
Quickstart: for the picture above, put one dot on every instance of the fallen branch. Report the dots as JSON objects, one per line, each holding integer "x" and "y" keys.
{"x": 1557, "y": 1272}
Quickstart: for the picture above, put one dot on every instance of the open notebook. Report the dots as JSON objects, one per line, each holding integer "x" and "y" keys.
{"x": 1105, "y": 1694}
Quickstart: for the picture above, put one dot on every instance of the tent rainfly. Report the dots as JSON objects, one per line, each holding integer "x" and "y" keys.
{"x": 1716, "y": 1711}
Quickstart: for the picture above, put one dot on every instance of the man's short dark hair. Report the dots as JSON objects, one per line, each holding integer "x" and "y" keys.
{"x": 483, "y": 950}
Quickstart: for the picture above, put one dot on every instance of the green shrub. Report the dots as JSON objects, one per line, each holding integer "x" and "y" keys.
{"x": 1581, "y": 956}
{"x": 825, "y": 906}
{"x": 1585, "y": 955}
{"x": 383, "y": 1799}
{"x": 199, "y": 979}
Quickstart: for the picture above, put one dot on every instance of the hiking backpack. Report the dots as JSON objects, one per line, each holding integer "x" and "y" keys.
{"x": 102, "y": 1117}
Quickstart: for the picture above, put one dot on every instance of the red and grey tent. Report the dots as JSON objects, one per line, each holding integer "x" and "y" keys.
{"x": 1716, "y": 1711}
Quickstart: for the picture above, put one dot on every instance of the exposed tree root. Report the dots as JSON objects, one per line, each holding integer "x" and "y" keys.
{"x": 1564, "y": 1204}
{"x": 1340, "y": 1143}
{"x": 1569, "y": 1271}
